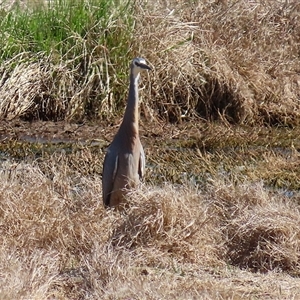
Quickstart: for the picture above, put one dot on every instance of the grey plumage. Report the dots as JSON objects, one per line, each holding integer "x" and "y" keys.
{"x": 124, "y": 162}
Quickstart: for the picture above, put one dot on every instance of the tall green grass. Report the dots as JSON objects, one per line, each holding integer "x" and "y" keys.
{"x": 79, "y": 47}
{"x": 64, "y": 27}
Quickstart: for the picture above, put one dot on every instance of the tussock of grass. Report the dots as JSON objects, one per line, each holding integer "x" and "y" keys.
{"x": 262, "y": 229}
{"x": 58, "y": 242}
{"x": 164, "y": 220}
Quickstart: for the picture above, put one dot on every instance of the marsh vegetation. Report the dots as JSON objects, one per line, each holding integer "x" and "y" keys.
{"x": 217, "y": 216}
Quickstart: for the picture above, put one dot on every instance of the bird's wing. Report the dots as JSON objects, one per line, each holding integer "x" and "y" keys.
{"x": 142, "y": 163}
{"x": 110, "y": 166}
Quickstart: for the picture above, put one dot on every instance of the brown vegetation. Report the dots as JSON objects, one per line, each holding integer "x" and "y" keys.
{"x": 218, "y": 214}
{"x": 237, "y": 60}
{"x": 58, "y": 242}
{"x": 220, "y": 232}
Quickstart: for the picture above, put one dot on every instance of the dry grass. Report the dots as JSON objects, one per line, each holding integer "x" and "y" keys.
{"x": 36, "y": 88}
{"x": 228, "y": 226}
{"x": 28, "y": 89}
{"x": 234, "y": 60}
{"x": 57, "y": 241}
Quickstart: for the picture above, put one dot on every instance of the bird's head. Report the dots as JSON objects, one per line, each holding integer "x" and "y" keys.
{"x": 138, "y": 64}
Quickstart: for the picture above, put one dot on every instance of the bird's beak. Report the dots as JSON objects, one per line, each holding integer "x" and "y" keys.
{"x": 144, "y": 66}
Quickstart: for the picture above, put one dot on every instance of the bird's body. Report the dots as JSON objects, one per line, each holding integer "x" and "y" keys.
{"x": 124, "y": 163}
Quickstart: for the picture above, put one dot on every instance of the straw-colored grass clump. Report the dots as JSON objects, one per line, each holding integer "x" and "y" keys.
{"x": 162, "y": 219}
{"x": 262, "y": 229}
{"x": 58, "y": 242}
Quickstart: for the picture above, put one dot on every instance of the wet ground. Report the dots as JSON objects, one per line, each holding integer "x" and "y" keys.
{"x": 194, "y": 151}
{"x": 53, "y": 132}
{"x": 59, "y": 132}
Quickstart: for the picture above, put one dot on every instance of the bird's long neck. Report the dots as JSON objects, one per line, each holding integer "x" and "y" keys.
{"x": 131, "y": 115}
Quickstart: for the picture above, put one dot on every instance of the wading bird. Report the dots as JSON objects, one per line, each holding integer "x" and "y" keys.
{"x": 124, "y": 162}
